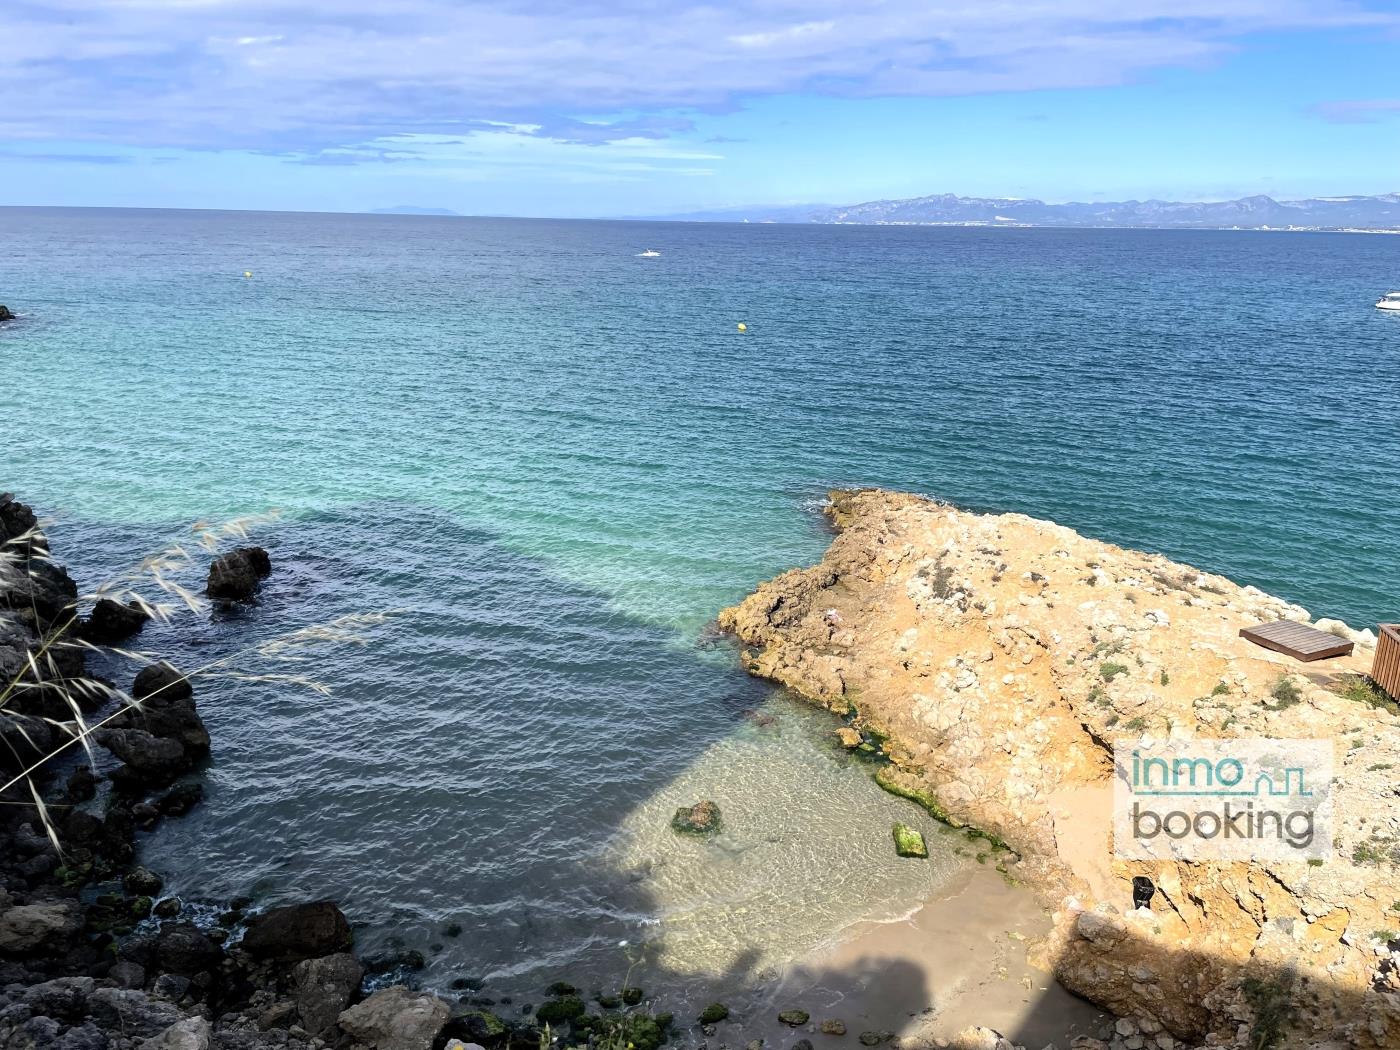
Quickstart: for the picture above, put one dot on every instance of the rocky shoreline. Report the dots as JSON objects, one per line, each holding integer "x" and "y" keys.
{"x": 993, "y": 659}
{"x": 95, "y": 955}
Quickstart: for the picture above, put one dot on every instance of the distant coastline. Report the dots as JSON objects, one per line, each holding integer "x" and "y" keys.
{"x": 1350, "y": 214}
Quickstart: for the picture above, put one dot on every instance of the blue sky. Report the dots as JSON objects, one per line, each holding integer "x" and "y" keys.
{"x": 618, "y": 107}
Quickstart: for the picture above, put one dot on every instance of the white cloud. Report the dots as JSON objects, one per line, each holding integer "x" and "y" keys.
{"x": 272, "y": 74}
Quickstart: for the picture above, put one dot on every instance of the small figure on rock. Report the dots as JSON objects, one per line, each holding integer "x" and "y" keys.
{"x": 235, "y": 576}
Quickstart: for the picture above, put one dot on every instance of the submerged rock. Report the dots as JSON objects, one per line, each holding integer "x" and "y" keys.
{"x": 714, "y": 1013}
{"x": 236, "y": 575}
{"x": 833, "y": 1027}
{"x": 909, "y": 842}
{"x": 794, "y": 1018}
{"x": 5, "y": 314}
{"x": 703, "y": 818}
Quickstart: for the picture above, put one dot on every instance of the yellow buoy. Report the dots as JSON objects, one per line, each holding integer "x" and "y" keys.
{"x": 247, "y": 273}
{"x": 743, "y": 327}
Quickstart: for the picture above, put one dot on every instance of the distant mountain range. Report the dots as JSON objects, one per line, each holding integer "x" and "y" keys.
{"x": 946, "y": 209}
{"x": 411, "y": 209}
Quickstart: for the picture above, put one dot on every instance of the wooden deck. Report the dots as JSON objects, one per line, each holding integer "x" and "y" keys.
{"x": 1297, "y": 640}
{"x": 1385, "y": 668}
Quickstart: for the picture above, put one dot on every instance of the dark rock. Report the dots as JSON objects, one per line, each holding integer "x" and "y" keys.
{"x": 131, "y": 1012}
{"x": 235, "y": 576}
{"x": 161, "y": 681}
{"x": 64, "y": 998}
{"x": 171, "y": 986}
{"x": 700, "y": 819}
{"x": 714, "y": 1013}
{"x": 149, "y": 759}
{"x": 6, "y": 314}
{"x": 631, "y": 996}
{"x": 112, "y": 622}
{"x": 395, "y": 959}
{"x": 298, "y": 931}
{"x": 142, "y": 882}
{"x": 560, "y": 1010}
{"x": 802, "y": 1044}
{"x": 476, "y": 1026}
{"x": 23, "y": 741}
{"x": 82, "y": 785}
{"x": 324, "y": 988}
{"x": 168, "y": 908}
{"x": 183, "y": 949}
{"x": 127, "y": 974}
{"x": 180, "y": 799}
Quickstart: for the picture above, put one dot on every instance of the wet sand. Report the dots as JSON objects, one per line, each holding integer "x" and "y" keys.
{"x": 959, "y": 960}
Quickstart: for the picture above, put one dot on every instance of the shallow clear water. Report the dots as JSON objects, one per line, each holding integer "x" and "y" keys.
{"x": 557, "y": 461}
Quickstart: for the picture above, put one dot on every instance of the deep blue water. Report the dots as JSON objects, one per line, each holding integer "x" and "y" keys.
{"x": 555, "y": 461}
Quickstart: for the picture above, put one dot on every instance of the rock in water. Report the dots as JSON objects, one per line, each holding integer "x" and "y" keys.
{"x": 235, "y": 576}
{"x": 794, "y": 1018}
{"x": 396, "y": 1019}
{"x": 298, "y": 931}
{"x": 111, "y": 622}
{"x": 908, "y": 842}
{"x": 5, "y": 314}
{"x": 700, "y": 819}
{"x": 161, "y": 681}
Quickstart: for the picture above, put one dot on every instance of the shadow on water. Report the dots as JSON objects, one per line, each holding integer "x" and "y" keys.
{"x": 471, "y": 791}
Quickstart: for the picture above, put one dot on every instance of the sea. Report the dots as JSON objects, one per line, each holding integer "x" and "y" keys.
{"x": 518, "y": 468}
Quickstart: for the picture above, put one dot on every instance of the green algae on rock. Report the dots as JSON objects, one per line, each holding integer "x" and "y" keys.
{"x": 909, "y": 842}
{"x": 703, "y": 818}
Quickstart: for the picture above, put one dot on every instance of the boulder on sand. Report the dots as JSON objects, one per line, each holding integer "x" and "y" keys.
{"x": 299, "y": 931}
{"x": 235, "y": 576}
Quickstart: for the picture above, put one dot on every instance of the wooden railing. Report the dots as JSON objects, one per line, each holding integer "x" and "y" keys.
{"x": 1385, "y": 668}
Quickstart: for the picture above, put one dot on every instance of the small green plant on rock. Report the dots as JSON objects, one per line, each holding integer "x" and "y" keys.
{"x": 1286, "y": 694}
{"x": 1272, "y": 1003}
{"x": 1362, "y": 689}
{"x": 714, "y": 1013}
{"x": 1111, "y": 670}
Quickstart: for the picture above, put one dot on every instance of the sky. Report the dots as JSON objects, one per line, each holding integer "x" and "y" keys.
{"x": 632, "y": 107}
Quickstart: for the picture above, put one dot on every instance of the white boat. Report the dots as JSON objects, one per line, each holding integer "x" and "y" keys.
{"x": 650, "y": 253}
{"x": 1389, "y": 301}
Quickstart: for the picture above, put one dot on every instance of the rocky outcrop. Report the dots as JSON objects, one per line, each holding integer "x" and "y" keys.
{"x": 6, "y": 314}
{"x": 396, "y": 1019}
{"x": 234, "y": 577}
{"x": 325, "y": 987}
{"x": 112, "y": 622}
{"x": 299, "y": 931}
{"x": 999, "y": 657}
{"x": 163, "y": 736}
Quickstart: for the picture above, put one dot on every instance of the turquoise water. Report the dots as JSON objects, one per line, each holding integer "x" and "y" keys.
{"x": 558, "y": 460}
